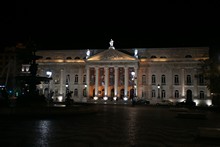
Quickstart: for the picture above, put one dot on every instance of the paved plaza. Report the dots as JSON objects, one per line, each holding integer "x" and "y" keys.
{"x": 113, "y": 126}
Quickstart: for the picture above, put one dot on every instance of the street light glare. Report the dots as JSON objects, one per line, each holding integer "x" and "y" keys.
{"x": 158, "y": 86}
{"x": 132, "y": 73}
{"x": 49, "y": 73}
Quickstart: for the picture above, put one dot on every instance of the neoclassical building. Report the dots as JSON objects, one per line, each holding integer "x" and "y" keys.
{"x": 117, "y": 74}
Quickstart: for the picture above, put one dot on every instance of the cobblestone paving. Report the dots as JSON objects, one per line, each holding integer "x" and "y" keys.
{"x": 113, "y": 126}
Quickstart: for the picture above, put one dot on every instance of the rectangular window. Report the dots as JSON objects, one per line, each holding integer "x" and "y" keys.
{"x": 76, "y": 79}
{"x": 176, "y": 80}
{"x": 163, "y": 80}
{"x": 84, "y": 79}
{"x": 188, "y": 80}
{"x": 163, "y": 94}
{"x": 201, "y": 80}
{"x": 143, "y": 80}
{"x": 153, "y": 80}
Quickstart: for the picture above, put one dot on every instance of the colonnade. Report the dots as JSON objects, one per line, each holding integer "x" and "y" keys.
{"x": 106, "y": 81}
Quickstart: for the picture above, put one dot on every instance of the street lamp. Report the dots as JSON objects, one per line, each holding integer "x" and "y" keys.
{"x": 133, "y": 82}
{"x": 85, "y": 90}
{"x": 158, "y": 87}
{"x": 49, "y": 75}
{"x": 67, "y": 83}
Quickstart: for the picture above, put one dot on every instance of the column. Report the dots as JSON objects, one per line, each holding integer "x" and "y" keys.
{"x": 195, "y": 84}
{"x": 136, "y": 83}
{"x": 126, "y": 84}
{"x": 61, "y": 81}
{"x": 96, "y": 82}
{"x": 87, "y": 81}
{"x": 106, "y": 83}
{"x": 116, "y": 83}
{"x": 183, "y": 83}
{"x": 80, "y": 84}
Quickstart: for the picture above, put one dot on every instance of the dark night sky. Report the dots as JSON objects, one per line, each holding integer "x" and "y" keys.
{"x": 65, "y": 25}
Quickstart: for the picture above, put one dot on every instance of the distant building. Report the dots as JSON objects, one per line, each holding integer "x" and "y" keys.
{"x": 116, "y": 74}
{"x": 13, "y": 59}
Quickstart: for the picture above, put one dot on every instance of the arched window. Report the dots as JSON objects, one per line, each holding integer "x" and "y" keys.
{"x": 153, "y": 94}
{"x": 77, "y": 58}
{"x": 176, "y": 80}
{"x": 163, "y": 94}
{"x": 201, "y": 95}
{"x": 68, "y": 58}
{"x": 153, "y": 79}
{"x": 143, "y": 79}
{"x": 163, "y": 80}
{"x": 188, "y": 56}
{"x": 76, "y": 79}
{"x": 176, "y": 95}
{"x": 153, "y": 56}
{"x": 75, "y": 92}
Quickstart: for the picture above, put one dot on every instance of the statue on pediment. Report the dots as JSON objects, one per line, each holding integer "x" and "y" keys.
{"x": 111, "y": 44}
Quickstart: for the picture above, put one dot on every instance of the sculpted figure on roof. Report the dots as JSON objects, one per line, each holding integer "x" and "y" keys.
{"x": 111, "y": 44}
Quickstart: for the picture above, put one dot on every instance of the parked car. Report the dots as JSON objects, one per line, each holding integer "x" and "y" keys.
{"x": 142, "y": 102}
{"x": 186, "y": 103}
{"x": 165, "y": 103}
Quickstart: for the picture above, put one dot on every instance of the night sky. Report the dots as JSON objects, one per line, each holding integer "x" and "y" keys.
{"x": 69, "y": 25}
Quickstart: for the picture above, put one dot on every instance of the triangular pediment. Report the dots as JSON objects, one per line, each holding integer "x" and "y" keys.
{"x": 111, "y": 55}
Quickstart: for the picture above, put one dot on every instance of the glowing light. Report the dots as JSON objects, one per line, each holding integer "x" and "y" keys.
{"x": 60, "y": 98}
{"x": 27, "y": 69}
{"x": 133, "y": 73}
{"x": 158, "y": 86}
{"x": 197, "y": 102}
{"x": 125, "y": 98}
{"x": 209, "y": 102}
{"x": 115, "y": 98}
{"x": 95, "y": 98}
{"x": 203, "y": 102}
{"x": 49, "y": 73}
{"x": 105, "y": 98}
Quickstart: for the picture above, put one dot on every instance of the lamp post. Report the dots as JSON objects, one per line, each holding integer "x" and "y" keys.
{"x": 67, "y": 83}
{"x": 49, "y": 74}
{"x": 133, "y": 83}
{"x": 158, "y": 87}
{"x": 85, "y": 90}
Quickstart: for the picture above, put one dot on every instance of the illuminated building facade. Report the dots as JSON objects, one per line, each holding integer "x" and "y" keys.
{"x": 116, "y": 74}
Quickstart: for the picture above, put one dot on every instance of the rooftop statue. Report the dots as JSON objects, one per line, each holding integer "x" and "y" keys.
{"x": 136, "y": 53}
{"x": 111, "y": 44}
{"x": 87, "y": 53}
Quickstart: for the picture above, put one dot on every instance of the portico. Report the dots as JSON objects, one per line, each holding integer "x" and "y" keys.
{"x": 109, "y": 74}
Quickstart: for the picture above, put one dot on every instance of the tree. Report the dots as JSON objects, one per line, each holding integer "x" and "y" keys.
{"x": 211, "y": 72}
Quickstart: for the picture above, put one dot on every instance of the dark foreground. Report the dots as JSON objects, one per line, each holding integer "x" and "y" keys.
{"x": 112, "y": 125}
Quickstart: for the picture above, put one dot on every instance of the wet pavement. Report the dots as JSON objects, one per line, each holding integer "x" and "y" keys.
{"x": 112, "y": 125}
